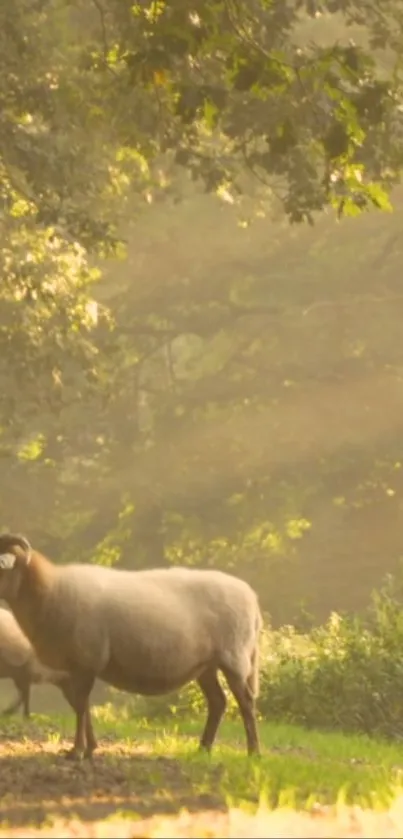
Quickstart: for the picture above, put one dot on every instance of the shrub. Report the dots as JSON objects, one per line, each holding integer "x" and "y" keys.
{"x": 347, "y": 674}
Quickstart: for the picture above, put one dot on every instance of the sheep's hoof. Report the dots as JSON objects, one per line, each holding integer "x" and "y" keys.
{"x": 73, "y": 754}
{"x": 205, "y": 749}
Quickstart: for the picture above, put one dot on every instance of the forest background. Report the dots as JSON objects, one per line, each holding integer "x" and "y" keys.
{"x": 201, "y": 350}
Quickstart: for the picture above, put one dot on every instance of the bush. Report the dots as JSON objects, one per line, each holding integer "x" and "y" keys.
{"x": 347, "y": 674}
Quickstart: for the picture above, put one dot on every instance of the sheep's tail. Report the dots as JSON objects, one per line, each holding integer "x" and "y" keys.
{"x": 253, "y": 680}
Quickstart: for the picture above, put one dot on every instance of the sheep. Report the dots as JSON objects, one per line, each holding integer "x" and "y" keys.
{"x": 19, "y": 663}
{"x": 148, "y": 632}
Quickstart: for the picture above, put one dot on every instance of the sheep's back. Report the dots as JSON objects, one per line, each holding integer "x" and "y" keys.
{"x": 168, "y": 593}
{"x": 100, "y": 614}
{"x": 198, "y": 592}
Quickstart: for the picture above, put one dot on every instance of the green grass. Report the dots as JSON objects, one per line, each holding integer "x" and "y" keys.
{"x": 147, "y": 769}
{"x": 297, "y": 767}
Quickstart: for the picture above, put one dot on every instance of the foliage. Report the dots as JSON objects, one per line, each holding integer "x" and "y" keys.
{"x": 94, "y": 93}
{"x": 58, "y": 157}
{"x": 238, "y": 91}
{"x": 345, "y": 675}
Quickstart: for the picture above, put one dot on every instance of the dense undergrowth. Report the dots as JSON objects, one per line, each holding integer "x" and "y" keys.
{"x": 345, "y": 675}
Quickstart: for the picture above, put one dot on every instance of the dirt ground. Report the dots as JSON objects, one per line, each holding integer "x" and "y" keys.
{"x": 130, "y": 793}
{"x": 38, "y": 783}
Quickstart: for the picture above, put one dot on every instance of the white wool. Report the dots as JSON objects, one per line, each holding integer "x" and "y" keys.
{"x": 147, "y": 631}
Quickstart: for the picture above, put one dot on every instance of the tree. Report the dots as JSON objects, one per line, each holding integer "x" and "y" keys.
{"x": 94, "y": 92}
{"x": 231, "y": 88}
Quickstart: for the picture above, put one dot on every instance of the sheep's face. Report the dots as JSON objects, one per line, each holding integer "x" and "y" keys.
{"x": 10, "y": 577}
{"x": 15, "y": 554}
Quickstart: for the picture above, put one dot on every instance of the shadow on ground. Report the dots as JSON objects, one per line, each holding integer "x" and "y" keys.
{"x": 38, "y": 783}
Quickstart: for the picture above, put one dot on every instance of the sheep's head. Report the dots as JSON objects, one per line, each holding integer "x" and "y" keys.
{"x": 15, "y": 555}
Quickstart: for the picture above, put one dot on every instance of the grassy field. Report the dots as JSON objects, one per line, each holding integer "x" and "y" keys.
{"x": 144, "y": 773}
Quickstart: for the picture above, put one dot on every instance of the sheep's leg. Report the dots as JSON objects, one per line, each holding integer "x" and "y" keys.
{"x": 76, "y": 691}
{"x": 80, "y": 739}
{"x": 216, "y": 703}
{"x": 91, "y": 739}
{"x": 26, "y": 690}
{"x": 246, "y": 704}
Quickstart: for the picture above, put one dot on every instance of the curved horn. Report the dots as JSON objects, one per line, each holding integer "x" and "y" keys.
{"x": 20, "y": 540}
{"x": 10, "y": 540}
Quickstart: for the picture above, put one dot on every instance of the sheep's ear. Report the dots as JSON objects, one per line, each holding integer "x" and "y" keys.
{"x": 7, "y": 561}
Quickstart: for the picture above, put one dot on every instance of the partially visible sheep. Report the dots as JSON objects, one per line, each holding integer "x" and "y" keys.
{"x": 147, "y": 632}
{"x": 19, "y": 663}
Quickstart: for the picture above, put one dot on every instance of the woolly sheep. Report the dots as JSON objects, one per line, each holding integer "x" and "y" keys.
{"x": 148, "y": 632}
{"x": 19, "y": 663}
